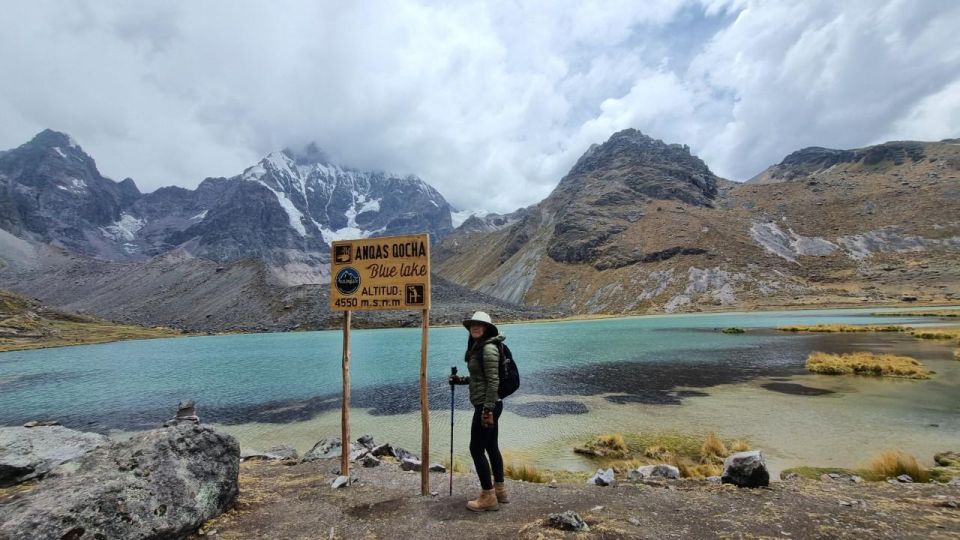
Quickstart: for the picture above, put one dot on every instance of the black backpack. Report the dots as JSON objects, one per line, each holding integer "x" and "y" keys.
{"x": 509, "y": 376}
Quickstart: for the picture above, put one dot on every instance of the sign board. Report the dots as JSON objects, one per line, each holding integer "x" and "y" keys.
{"x": 384, "y": 273}
{"x": 374, "y": 274}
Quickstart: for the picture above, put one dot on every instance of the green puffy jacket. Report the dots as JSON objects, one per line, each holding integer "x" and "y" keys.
{"x": 483, "y": 362}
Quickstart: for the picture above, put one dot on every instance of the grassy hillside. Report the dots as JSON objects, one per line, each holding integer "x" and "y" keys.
{"x": 27, "y": 324}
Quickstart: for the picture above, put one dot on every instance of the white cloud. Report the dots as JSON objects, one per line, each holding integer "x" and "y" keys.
{"x": 489, "y": 102}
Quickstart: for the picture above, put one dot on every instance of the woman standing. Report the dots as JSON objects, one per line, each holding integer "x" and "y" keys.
{"x": 483, "y": 363}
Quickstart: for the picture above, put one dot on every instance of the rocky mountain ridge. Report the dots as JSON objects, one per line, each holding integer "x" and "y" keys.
{"x": 639, "y": 225}
{"x": 286, "y": 209}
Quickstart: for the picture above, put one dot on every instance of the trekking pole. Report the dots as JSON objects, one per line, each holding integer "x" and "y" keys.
{"x": 453, "y": 373}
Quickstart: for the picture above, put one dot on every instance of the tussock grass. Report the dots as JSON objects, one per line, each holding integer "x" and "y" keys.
{"x": 739, "y": 445}
{"x": 696, "y": 457}
{"x": 713, "y": 449}
{"x": 844, "y": 328}
{"x": 458, "y": 465}
{"x": 518, "y": 468}
{"x": 956, "y": 354}
{"x": 609, "y": 445}
{"x": 866, "y": 363}
{"x": 891, "y": 463}
{"x": 689, "y": 469}
{"x": 946, "y": 333}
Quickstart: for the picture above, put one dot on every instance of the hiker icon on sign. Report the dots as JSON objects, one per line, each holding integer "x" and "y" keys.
{"x": 343, "y": 254}
{"x": 414, "y": 295}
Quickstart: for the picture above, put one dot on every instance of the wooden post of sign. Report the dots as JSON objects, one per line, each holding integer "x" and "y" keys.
{"x": 424, "y": 408}
{"x": 345, "y": 407}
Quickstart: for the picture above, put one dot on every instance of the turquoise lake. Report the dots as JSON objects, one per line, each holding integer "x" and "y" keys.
{"x": 662, "y": 373}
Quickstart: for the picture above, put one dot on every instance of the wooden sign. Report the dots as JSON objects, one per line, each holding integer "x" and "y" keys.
{"x": 377, "y": 274}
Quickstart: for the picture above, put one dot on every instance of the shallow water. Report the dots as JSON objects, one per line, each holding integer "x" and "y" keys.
{"x": 660, "y": 373}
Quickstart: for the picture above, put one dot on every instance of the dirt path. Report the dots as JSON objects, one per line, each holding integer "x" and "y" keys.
{"x": 296, "y": 502}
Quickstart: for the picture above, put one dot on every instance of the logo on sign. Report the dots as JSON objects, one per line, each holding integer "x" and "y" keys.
{"x": 348, "y": 281}
{"x": 343, "y": 254}
{"x": 414, "y": 294}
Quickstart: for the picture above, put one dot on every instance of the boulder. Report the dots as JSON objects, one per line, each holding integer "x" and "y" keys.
{"x": 163, "y": 483}
{"x": 370, "y": 461}
{"x": 357, "y": 453}
{"x": 402, "y": 454}
{"x": 905, "y": 479}
{"x": 567, "y": 521}
{"x": 283, "y": 452}
{"x": 366, "y": 441}
{"x": 661, "y": 470}
{"x": 603, "y": 478}
{"x": 329, "y": 447}
{"x": 382, "y": 450}
{"x": 409, "y": 464}
{"x": 29, "y": 453}
{"x": 340, "y": 481}
{"x": 746, "y": 469}
{"x": 436, "y": 467}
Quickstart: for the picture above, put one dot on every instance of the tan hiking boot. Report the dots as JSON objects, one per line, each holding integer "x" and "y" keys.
{"x": 501, "y": 489}
{"x": 487, "y": 501}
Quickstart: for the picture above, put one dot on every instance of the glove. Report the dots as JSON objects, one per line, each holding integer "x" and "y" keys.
{"x": 456, "y": 379}
{"x": 486, "y": 419}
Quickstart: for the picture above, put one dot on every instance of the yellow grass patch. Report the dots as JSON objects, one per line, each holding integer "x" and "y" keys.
{"x": 956, "y": 354}
{"x": 695, "y": 457}
{"x": 713, "y": 449}
{"x": 866, "y": 363}
{"x": 890, "y": 464}
{"x": 520, "y": 469}
{"x": 843, "y": 328}
{"x": 458, "y": 465}
{"x": 944, "y": 333}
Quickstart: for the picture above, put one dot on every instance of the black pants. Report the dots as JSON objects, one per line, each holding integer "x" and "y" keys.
{"x": 483, "y": 443}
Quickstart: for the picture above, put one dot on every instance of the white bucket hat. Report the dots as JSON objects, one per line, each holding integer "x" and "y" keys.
{"x": 482, "y": 318}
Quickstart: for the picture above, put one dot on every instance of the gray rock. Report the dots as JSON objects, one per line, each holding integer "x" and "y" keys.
{"x": 340, "y": 481}
{"x": 715, "y": 479}
{"x": 283, "y": 452}
{"x": 746, "y": 469}
{"x": 382, "y": 450}
{"x": 661, "y": 470}
{"x": 603, "y": 478}
{"x": 163, "y": 483}
{"x": 856, "y": 479}
{"x": 254, "y": 455}
{"x": 367, "y": 442}
{"x": 567, "y": 521}
{"x": 634, "y": 521}
{"x": 370, "y": 461}
{"x": 402, "y": 454}
{"x": 41, "y": 423}
{"x": 357, "y": 453}
{"x": 436, "y": 467}
{"x": 409, "y": 464}
{"x": 324, "y": 449}
{"x": 905, "y": 479}
{"x": 790, "y": 476}
{"x": 186, "y": 414}
{"x": 28, "y": 453}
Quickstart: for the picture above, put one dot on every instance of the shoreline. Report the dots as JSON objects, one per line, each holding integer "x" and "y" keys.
{"x": 54, "y": 343}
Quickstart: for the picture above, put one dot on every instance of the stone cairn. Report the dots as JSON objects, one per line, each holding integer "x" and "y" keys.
{"x": 186, "y": 413}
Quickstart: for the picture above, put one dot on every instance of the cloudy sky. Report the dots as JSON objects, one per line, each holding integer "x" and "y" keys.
{"x": 491, "y": 102}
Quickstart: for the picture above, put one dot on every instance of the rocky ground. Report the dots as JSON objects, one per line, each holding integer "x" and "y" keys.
{"x": 296, "y": 501}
